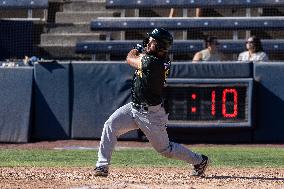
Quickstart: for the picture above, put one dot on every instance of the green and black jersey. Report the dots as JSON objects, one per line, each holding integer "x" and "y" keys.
{"x": 149, "y": 79}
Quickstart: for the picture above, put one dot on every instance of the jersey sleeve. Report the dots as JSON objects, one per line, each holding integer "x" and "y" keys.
{"x": 146, "y": 62}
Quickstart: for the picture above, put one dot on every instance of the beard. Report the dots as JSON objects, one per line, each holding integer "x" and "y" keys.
{"x": 150, "y": 51}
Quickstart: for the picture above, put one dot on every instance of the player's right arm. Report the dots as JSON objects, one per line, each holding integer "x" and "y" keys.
{"x": 134, "y": 59}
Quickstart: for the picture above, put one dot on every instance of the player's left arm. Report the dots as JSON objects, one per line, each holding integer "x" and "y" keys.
{"x": 134, "y": 59}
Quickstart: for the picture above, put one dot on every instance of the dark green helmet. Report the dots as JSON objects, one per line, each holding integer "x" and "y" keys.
{"x": 164, "y": 38}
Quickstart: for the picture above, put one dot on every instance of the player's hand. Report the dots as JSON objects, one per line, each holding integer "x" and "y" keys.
{"x": 139, "y": 47}
{"x": 133, "y": 53}
{"x": 134, "y": 58}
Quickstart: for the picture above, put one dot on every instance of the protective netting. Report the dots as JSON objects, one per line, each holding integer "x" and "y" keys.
{"x": 107, "y": 29}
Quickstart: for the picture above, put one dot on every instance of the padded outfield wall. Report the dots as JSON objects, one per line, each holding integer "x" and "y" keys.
{"x": 72, "y": 100}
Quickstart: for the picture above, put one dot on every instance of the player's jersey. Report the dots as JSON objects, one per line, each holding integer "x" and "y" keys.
{"x": 149, "y": 79}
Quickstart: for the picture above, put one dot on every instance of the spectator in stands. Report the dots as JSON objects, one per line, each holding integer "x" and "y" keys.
{"x": 210, "y": 53}
{"x": 198, "y": 12}
{"x": 254, "y": 51}
{"x": 30, "y": 61}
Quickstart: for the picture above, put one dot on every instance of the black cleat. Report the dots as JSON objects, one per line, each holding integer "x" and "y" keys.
{"x": 199, "y": 169}
{"x": 101, "y": 171}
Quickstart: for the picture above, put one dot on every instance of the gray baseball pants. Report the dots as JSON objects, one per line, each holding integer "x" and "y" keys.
{"x": 152, "y": 123}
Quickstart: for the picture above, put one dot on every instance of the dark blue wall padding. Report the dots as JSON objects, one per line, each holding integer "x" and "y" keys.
{"x": 23, "y": 4}
{"x": 179, "y": 23}
{"x": 211, "y": 135}
{"x": 51, "y": 101}
{"x": 97, "y": 90}
{"x": 179, "y": 46}
{"x": 122, "y": 4}
{"x": 211, "y": 70}
{"x": 269, "y": 79}
{"x": 15, "y": 105}
{"x": 16, "y": 39}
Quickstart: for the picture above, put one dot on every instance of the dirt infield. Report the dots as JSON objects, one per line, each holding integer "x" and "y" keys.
{"x": 127, "y": 177}
{"x": 82, "y": 178}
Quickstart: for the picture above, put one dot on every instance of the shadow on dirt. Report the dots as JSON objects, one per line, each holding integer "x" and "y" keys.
{"x": 246, "y": 178}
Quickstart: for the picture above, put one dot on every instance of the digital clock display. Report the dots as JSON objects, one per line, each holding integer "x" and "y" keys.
{"x": 203, "y": 101}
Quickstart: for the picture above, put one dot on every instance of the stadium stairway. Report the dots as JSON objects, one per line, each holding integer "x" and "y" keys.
{"x": 72, "y": 24}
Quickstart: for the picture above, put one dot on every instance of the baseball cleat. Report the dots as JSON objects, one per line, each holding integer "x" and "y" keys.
{"x": 101, "y": 171}
{"x": 199, "y": 169}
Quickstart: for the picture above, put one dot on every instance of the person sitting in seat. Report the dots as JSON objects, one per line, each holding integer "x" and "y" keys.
{"x": 210, "y": 53}
{"x": 254, "y": 51}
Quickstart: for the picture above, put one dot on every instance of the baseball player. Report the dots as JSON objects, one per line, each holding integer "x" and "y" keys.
{"x": 146, "y": 109}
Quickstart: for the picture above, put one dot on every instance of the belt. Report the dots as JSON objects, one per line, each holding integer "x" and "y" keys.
{"x": 145, "y": 107}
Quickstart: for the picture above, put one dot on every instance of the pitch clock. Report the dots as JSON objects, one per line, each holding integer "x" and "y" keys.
{"x": 209, "y": 102}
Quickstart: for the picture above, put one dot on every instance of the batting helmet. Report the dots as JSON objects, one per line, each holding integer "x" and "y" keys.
{"x": 163, "y": 37}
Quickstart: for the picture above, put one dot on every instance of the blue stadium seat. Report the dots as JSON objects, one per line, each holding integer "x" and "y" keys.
{"x": 179, "y": 46}
{"x": 204, "y": 23}
{"x": 23, "y": 4}
{"x": 192, "y": 4}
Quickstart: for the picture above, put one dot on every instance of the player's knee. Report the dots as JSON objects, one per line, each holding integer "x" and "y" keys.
{"x": 109, "y": 125}
{"x": 167, "y": 152}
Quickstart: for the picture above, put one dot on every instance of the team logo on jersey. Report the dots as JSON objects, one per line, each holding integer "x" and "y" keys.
{"x": 139, "y": 73}
{"x": 167, "y": 69}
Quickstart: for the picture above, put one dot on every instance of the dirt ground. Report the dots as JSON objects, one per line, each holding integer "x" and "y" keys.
{"x": 127, "y": 177}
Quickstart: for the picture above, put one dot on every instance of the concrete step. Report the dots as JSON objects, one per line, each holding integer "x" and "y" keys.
{"x": 82, "y": 17}
{"x": 281, "y": 9}
{"x": 230, "y": 12}
{"x": 84, "y": 6}
{"x": 69, "y": 28}
{"x": 67, "y": 39}
{"x": 61, "y": 52}
{"x": 21, "y": 13}
{"x": 97, "y": 1}
{"x": 56, "y": 1}
{"x": 79, "y": 28}
{"x": 276, "y": 34}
